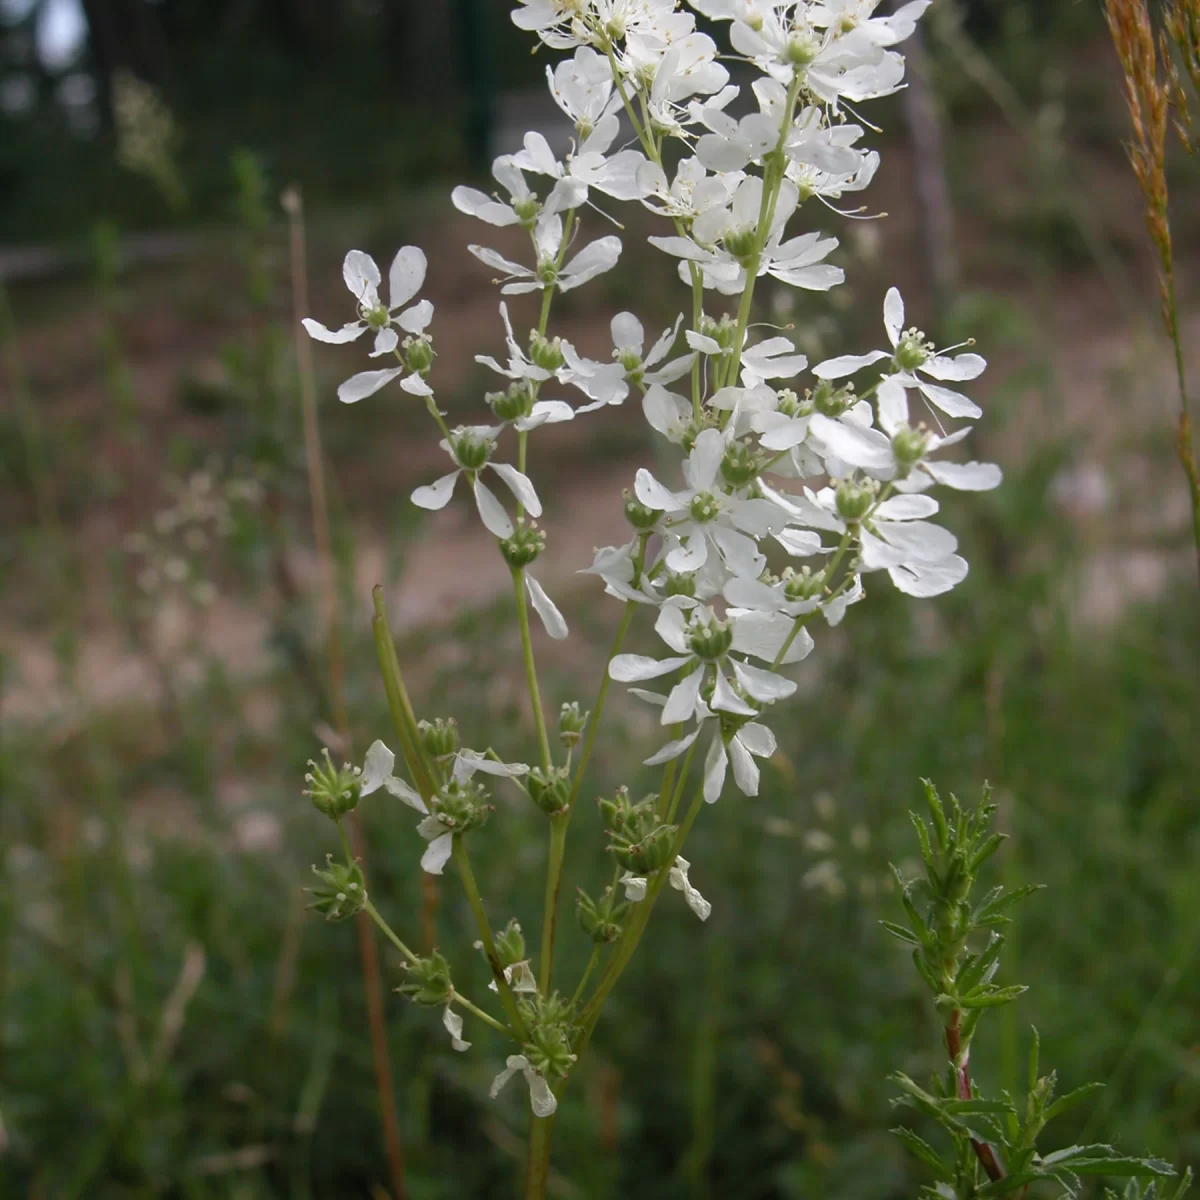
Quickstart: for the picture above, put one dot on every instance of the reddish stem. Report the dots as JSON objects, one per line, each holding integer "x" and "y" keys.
{"x": 958, "y": 1059}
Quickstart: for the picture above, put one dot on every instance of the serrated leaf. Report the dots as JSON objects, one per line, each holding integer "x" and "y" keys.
{"x": 1139, "y": 1168}
{"x": 991, "y": 913}
{"x": 975, "y": 966}
{"x": 989, "y": 847}
{"x": 921, "y": 1149}
{"x": 1035, "y": 1047}
{"x": 973, "y": 1106}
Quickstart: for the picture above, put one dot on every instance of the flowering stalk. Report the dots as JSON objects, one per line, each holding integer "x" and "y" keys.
{"x": 786, "y": 497}
{"x": 1150, "y": 94}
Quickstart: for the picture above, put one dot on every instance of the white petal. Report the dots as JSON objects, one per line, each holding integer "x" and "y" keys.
{"x": 541, "y": 1098}
{"x": 491, "y": 511}
{"x": 705, "y": 460}
{"x": 416, "y": 386}
{"x": 679, "y": 880}
{"x": 670, "y": 626}
{"x": 958, "y": 368}
{"x": 632, "y": 668}
{"x": 672, "y": 750}
{"x": 366, "y": 383}
{"x": 652, "y": 493}
{"x": 745, "y": 769}
{"x": 437, "y": 494}
{"x": 715, "y": 763}
{"x": 635, "y": 887}
{"x": 839, "y": 368}
{"x": 725, "y": 699}
{"x": 477, "y": 204}
{"x": 764, "y": 686}
{"x": 552, "y": 619}
{"x": 386, "y": 340}
{"x": 892, "y": 400}
{"x": 907, "y": 508}
{"x": 594, "y": 259}
{"x": 454, "y": 1027}
{"x": 681, "y": 703}
{"x": 437, "y": 854}
{"x": 402, "y": 791}
{"x": 347, "y": 333}
{"x": 417, "y": 318}
{"x": 758, "y": 739}
{"x": 362, "y": 277}
{"x": 966, "y": 477}
{"x": 377, "y": 768}
{"x": 627, "y": 332}
{"x": 520, "y": 486}
{"x": 467, "y": 762}
{"x": 953, "y": 404}
{"x": 406, "y": 275}
{"x": 929, "y": 579}
{"x": 513, "y": 1064}
{"x": 893, "y": 315}
{"x": 866, "y": 448}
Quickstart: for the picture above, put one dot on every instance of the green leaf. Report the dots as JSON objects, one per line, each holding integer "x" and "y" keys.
{"x": 1034, "y": 1053}
{"x": 1066, "y": 1103}
{"x": 994, "y": 998}
{"x": 989, "y": 847}
{"x": 974, "y": 1106}
{"x": 991, "y": 912}
{"x": 937, "y": 813}
{"x": 1140, "y": 1168}
{"x": 899, "y": 931}
{"x": 921, "y": 1149}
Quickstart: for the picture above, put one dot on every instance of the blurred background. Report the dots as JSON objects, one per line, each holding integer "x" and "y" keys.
{"x": 174, "y": 1022}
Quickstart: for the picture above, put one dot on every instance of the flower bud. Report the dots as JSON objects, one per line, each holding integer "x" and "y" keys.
{"x": 655, "y": 850}
{"x": 545, "y": 352}
{"x": 418, "y": 353}
{"x": 427, "y": 981}
{"x": 909, "y": 446}
{"x": 913, "y": 350}
{"x": 740, "y": 466}
{"x": 704, "y": 507}
{"x": 526, "y": 543}
{"x": 549, "y": 1049}
{"x": 471, "y": 451}
{"x": 803, "y": 584}
{"x": 526, "y": 208}
{"x": 792, "y": 406}
{"x": 440, "y": 739}
{"x": 830, "y": 400}
{"x": 462, "y": 806}
{"x": 601, "y": 921}
{"x": 710, "y": 640}
{"x": 571, "y": 724}
{"x": 615, "y": 812}
{"x": 854, "y": 500}
{"x": 549, "y": 790}
{"x": 638, "y": 514}
{"x": 802, "y": 48}
{"x": 341, "y": 891}
{"x": 334, "y": 791}
{"x": 742, "y": 244}
{"x": 683, "y": 584}
{"x": 376, "y": 318}
{"x": 514, "y": 402}
{"x": 510, "y": 944}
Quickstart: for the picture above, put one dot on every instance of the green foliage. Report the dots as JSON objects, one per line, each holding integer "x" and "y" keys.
{"x": 994, "y": 1143}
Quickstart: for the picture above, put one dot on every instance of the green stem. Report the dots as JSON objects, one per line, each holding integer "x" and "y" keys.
{"x": 388, "y": 933}
{"x": 487, "y": 1018}
{"x": 535, "y": 697}
{"x": 539, "y": 1157}
{"x": 1187, "y": 453}
{"x": 593, "y": 959}
{"x": 554, "y": 866}
{"x": 463, "y": 863}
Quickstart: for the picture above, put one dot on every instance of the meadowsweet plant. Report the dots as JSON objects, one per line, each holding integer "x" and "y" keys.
{"x": 992, "y": 1146}
{"x": 792, "y": 486}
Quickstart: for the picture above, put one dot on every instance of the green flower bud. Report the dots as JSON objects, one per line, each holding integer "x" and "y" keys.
{"x": 549, "y": 790}
{"x": 526, "y": 543}
{"x": 655, "y": 850}
{"x": 376, "y": 318}
{"x": 514, "y": 402}
{"x": 440, "y": 739}
{"x": 803, "y": 584}
{"x": 545, "y": 352}
{"x": 631, "y": 360}
{"x": 742, "y": 244}
{"x": 909, "y": 446}
{"x": 854, "y": 500}
{"x": 802, "y": 48}
{"x": 418, "y": 353}
{"x": 638, "y": 514}
{"x": 471, "y": 452}
{"x": 427, "y": 981}
{"x": 723, "y": 332}
{"x": 462, "y": 806}
{"x": 526, "y": 208}
{"x": 913, "y": 350}
{"x": 571, "y": 724}
{"x": 601, "y": 921}
{"x": 710, "y": 640}
{"x": 615, "y": 812}
{"x": 510, "y": 944}
{"x": 792, "y": 406}
{"x": 549, "y": 1050}
{"x": 693, "y": 429}
{"x": 740, "y": 466}
{"x": 334, "y": 791}
{"x": 683, "y": 584}
{"x": 704, "y": 507}
{"x": 341, "y": 891}
{"x": 831, "y": 400}
{"x": 547, "y": 270}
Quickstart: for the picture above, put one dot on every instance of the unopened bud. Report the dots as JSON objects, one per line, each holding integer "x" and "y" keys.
{"x": 341, "y": 891}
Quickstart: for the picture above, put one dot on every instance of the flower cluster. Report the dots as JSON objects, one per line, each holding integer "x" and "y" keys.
{"x": 793, "y": 484}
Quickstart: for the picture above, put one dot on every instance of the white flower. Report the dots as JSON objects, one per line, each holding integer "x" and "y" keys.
{"x": 582, "y": 86}
{"x": 362, "y": 277}
{"x": 454, "y": 1027}
{"x": 629, "y": 342}
{"x": 615, "y": 565}
{"x": 552, "y": 619}
{"x": 441, "y": 839}
{"x": 919, "y": 556}
{"x": 541, "y": 1098}
{"x": 594, "y": 259}
{"x": 704, "y": 517}
{"x": 635, "y": 888}
{"x": 524, "y": 207}
{"x": 775, "y": 358}
{"x": 690, "y": 193}
{"x": 587, "y": 165}
{"x": 751, "y": 740}
{"x": 471, "y": 447}
{"x": 519, "y": 977}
